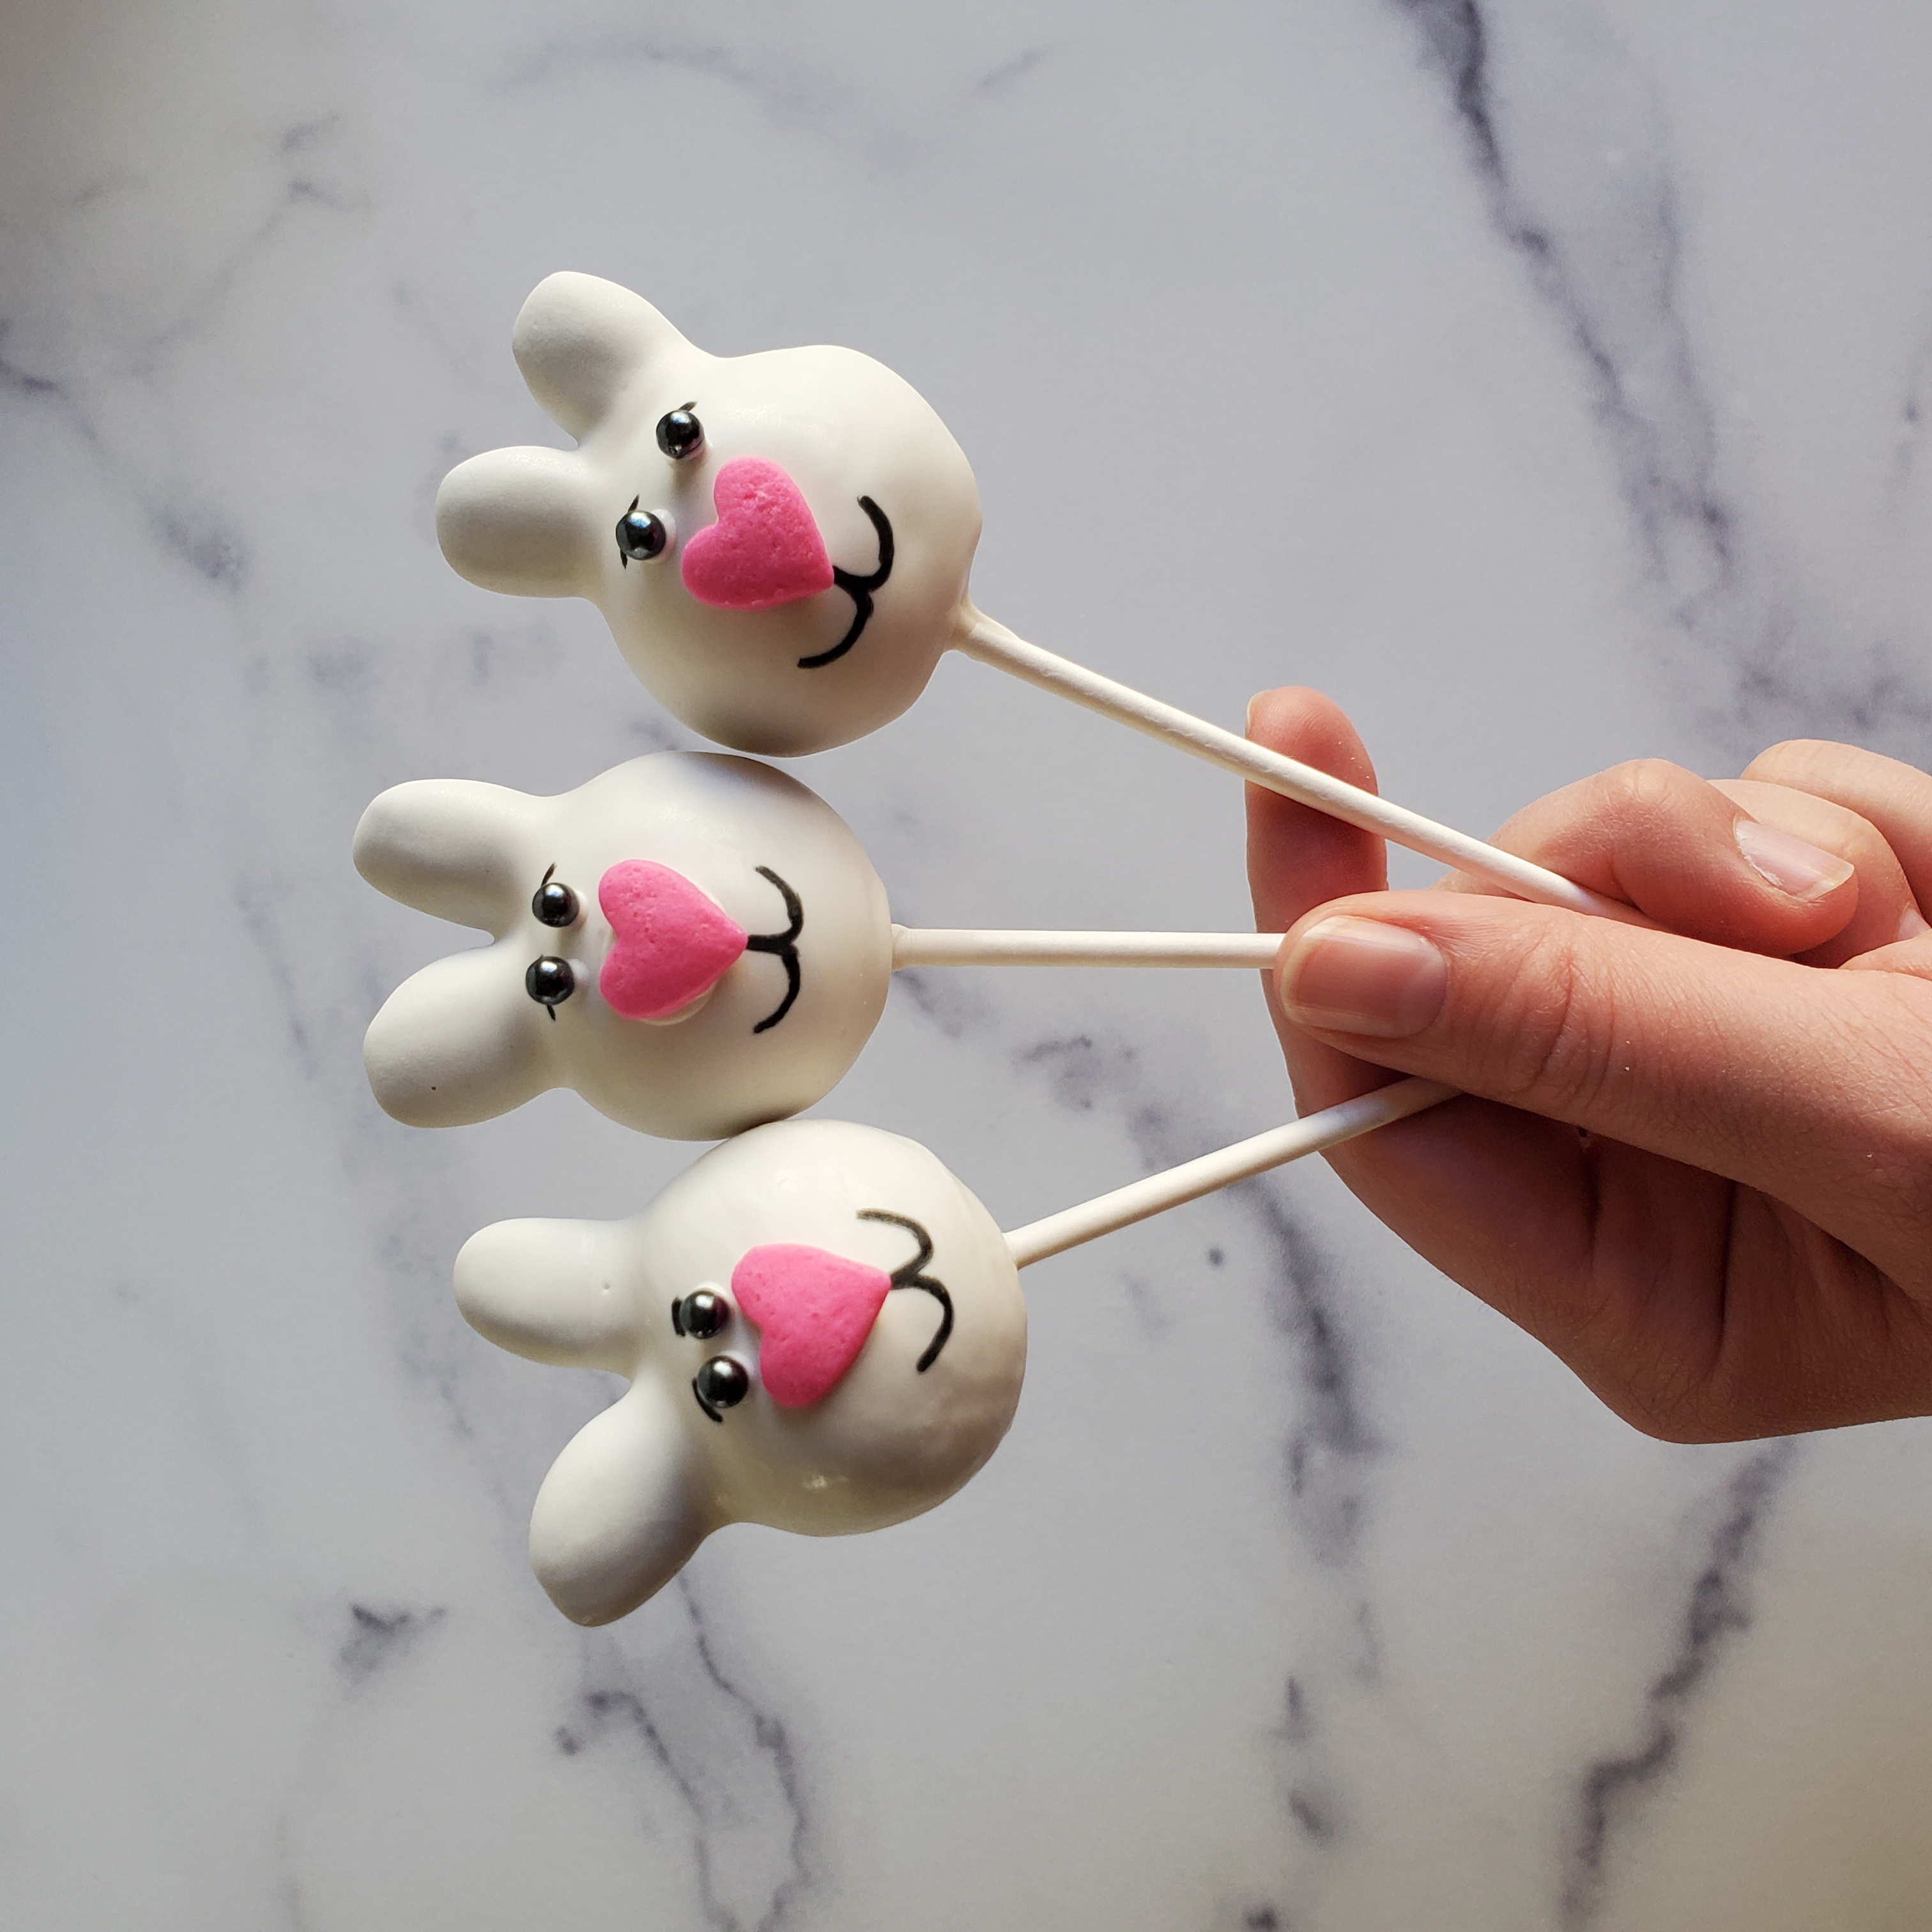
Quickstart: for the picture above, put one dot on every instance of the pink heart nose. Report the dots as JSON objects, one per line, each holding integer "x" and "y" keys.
{"x": 813, "y": 1311}
{"x": 764, "y": 550}
{"x": 669, "y": 942}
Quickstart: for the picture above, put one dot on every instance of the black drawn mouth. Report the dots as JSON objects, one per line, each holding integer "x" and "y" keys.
{"x": 784, "y": 944}
{"x": 912, "y": 1274}
{"x": 858, "y": 589}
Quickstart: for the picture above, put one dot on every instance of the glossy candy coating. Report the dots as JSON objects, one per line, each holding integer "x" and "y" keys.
{"x": 675, "y": 998}
{"x": 820, "y": 459}
{"x": 692, "y": 1446}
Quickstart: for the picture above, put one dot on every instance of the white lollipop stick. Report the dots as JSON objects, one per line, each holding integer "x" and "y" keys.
{"x": 969, "y": 946}
{"x": 991, "y": 643}
{"x": 1188, "y": 1182}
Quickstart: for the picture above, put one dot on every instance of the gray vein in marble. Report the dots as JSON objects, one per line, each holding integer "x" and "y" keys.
{"x": 603, "y": 1708}
{"x": 204, "y": 541}
{"x": 774, "y": 76}
{"x": 190, "y": 532}
{"x": 654, "y": 731}
{"x": 1889, "y": 709}
{"x": 1331, "y": 1439}
{"x": 1250, "y": 1914}
{"x": 377, "y": 1639}
{"x": 257, "y": 904}
{"x": 1141, "y": 1298}
{"x": 289, "y": 1885}
{"x": 1009, "y": 72}
{"x": 1666, "y": 454}
{"x": 1330, "y": 1444}
{"x": 775, "y": 84}
{"x": 1913, "y": 409}
{"x": 1309, "y": 1808}
{"x": 15, "y": 381}
{"x": 770, "y": 1735}
{"x": 944, "y": 998}
{"x": 21, "y": 384}
{"x": 1611, "y": 1791}
{"x": 1610, "y": 273}
{"x": 710, "y": 1781}
{"x": 299, "y": 188}
{"x": 1312, "y": 1804}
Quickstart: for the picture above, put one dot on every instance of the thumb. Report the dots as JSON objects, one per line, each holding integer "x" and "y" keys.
{"x": 1805, "y": 1083}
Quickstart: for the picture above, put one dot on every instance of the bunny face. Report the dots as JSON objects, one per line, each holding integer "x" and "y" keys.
{"x": 696, "y": 943}
{"x": 780, "y": 542}
{"x": 823, "y": 1332}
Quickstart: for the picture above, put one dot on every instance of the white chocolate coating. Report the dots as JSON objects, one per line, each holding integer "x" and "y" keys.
{"x": 463, "y": 1039}
{"x": 641, "y": 1487}
{"x": 540, "y": 522}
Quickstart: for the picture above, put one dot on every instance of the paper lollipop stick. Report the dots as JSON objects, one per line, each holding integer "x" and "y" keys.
{"x": 969, "y": 946}
{"x": 823, "y": 1330}
{"x": 1139, "y": 1199}
{"x": 993, "y": 643}
{"x": 781, "y": 543}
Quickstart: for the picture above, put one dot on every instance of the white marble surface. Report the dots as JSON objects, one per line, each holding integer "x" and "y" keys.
{"x": 1547, "y": 381}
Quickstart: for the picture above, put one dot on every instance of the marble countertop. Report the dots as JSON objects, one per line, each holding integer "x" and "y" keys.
{"x": 1548, "y": 381}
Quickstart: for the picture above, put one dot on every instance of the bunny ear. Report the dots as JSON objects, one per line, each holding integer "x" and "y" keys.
{"x": 447, "y": 846}
{"x": 522, "y": 520}
{"x": 618, "y": 1515}
{"x": 580, "y": 341}
{"x": 457, "y": 1042}
{"x": 553, "y": 1291}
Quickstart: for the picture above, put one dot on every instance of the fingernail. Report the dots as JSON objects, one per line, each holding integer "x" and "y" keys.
{"x": 1358, "y": 976}
{"x": 1912, "y": 923}
{"x": 1790, "y": 865}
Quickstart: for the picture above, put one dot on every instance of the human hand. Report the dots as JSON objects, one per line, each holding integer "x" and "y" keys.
{"x": 1700, "y": 1169}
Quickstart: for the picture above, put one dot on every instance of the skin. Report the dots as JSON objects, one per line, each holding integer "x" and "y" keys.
{"x": 1699, "y": 1169}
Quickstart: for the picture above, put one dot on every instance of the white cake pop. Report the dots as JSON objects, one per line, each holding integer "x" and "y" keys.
{"x": 781, "y": 543}
{"x": 695, "y": 942}
{"x": 823, "y": 1330}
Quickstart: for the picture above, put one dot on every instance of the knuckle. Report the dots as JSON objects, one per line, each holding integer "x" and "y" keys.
{"x": 1551, "y": 1033}
{"x": 1645, "y": 789}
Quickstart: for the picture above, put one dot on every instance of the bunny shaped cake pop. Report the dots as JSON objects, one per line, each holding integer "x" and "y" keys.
{"x": 823, "y": 1330}
{"x": 780, "y": 542}
{"x": 695, "y": 942}
{"x": 667, "y": 1013}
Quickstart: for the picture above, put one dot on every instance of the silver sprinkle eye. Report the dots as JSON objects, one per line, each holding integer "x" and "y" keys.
{"x": 703, "y": 1312}
{"x": 549, "y": 982}
{"x": 680, "y": 435}
{"x": 641, "y": 535}
{"x": 720, "y": 1383}
{"x": 554, "y": 903}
